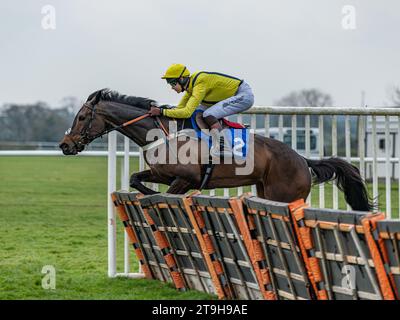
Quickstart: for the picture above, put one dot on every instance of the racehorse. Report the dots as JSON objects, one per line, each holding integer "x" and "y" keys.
{"x": 279, "y": 172}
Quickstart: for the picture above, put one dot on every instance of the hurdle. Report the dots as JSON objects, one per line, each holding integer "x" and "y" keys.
{"x": 140, "y": 237}
{"x": 336, "y": 245}
{"x": 276, "y": 247}
{"x": 174, "y": 233}
{"x": 251, "y": 248}
{"x": 218, "y": 230}
{"x": 383, "y": 241}
{"x": 388, "y": 238}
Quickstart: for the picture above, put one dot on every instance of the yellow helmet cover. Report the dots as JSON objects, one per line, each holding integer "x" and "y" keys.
{"x": 176, "y": 70}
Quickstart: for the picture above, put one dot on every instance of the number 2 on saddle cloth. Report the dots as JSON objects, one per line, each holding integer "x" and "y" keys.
{"x": 238, "y": 136}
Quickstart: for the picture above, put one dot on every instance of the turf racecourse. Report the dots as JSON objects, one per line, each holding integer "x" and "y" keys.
{"x": 53, "y": 212}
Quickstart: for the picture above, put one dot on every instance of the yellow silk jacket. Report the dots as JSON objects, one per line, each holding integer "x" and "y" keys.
{"x": 205, "y": 88}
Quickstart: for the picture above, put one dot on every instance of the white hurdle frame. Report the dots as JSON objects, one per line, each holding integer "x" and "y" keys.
{"x": 112, "y": 230}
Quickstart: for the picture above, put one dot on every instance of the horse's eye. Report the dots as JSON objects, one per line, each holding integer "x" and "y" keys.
{"x": 81, "y": 118}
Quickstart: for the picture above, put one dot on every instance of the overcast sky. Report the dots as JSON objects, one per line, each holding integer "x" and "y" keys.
{"x": 276, "y": 46}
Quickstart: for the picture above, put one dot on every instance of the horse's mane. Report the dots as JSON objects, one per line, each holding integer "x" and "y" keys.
{"x": 114, "y": 96}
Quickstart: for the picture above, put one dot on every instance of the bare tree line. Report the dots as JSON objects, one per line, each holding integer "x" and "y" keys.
{"x": 34, "y": 122}
{"x": 40, "y": 122}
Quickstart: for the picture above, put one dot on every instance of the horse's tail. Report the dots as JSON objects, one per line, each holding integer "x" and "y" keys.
{"x": 348, "y": 180}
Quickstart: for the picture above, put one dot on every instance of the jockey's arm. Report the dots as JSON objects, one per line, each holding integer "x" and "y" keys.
{"x": 183, "y": 101}
{"x": 188, "y": 104}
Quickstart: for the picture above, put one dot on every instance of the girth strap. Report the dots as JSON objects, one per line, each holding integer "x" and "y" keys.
{"x": 207, "y": 175}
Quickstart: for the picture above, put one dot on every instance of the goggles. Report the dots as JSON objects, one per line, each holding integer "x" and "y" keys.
{"x": 172, "y": 81}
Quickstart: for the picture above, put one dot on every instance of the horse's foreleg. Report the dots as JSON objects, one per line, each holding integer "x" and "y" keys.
{"x": 179, "y": 186}
{"x": 144, "y": 176}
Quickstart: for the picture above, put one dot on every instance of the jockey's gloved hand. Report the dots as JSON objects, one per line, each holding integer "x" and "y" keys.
{"x": 155, "y": 111}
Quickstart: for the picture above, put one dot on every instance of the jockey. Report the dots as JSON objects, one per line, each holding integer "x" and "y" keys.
{"x": 219, "y": 95}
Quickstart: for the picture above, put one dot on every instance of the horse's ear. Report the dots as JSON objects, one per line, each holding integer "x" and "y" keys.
{"x": 94, "y": 98}
{"x": 91, "y": 96}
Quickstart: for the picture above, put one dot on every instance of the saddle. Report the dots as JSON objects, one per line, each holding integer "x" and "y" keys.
{"x": 224, "y": 122}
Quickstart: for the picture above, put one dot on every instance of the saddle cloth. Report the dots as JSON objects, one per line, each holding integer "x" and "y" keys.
{"x": 236, "y": 134}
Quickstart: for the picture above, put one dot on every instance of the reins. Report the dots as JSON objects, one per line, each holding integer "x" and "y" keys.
{"x": 87, "y": 136}
{"x": 121, "y": 126}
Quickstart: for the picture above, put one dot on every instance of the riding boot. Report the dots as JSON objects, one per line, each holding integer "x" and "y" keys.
{"x": 220, "y": 146}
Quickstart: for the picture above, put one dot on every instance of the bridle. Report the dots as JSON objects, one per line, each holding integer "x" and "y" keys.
{"x": 86, "y": 137}
{"x": 85, "y": 132}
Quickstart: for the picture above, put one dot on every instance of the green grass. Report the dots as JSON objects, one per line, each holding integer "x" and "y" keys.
{"x": 53, "y": 212}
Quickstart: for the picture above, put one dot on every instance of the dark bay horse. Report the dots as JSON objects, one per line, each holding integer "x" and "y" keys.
{"x": 279, "y": 173}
